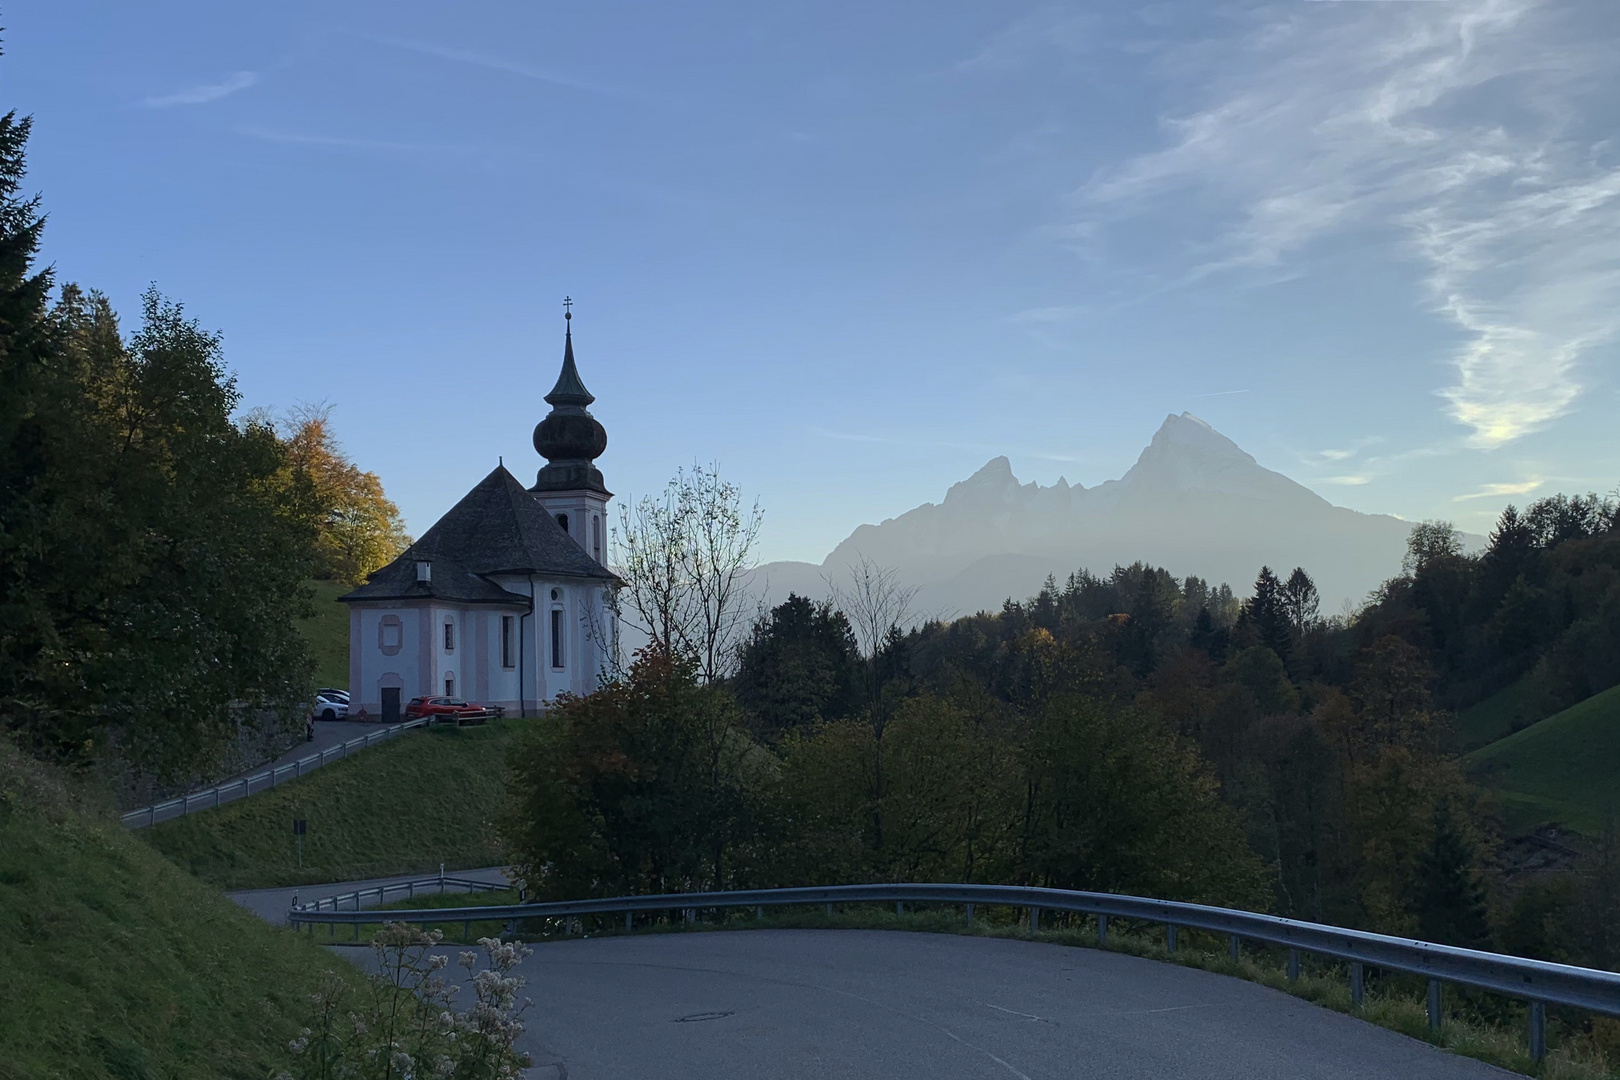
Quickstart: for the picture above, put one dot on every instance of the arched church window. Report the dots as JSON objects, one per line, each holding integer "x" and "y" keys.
{"x": 562, "y": 520}
{"x": 596, "y": 538}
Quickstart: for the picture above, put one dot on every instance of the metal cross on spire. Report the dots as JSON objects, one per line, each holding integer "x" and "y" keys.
{"x": 568, "y": 307}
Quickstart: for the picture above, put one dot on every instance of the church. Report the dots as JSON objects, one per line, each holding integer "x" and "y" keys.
{"x": 506, "y": 600}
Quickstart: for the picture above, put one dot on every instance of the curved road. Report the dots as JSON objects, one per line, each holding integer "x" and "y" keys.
{"x": 820, "y": 1004}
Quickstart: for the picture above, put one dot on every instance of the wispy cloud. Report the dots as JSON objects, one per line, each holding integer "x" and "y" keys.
{"x": 494, "y": 63}
{"x": 1045, "y": 315}
{"x": 1458, "y": 128}
{"x": 1222, "y": 393}
{"x": 1355, "y": 480}
{"x": 342, "y": 142}
{"x": 202, "y": 95}
{"x": 1496, "y": 491}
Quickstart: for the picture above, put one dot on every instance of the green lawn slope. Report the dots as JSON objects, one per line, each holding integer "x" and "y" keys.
{"x": 403, "y": 806}
{"x": 1565, "y": 769}
{"x": 115, "y": 964}
{"x": 327, "y": 631}
{"x": 1511, "y": 709}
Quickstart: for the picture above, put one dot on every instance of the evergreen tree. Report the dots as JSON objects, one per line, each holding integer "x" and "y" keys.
{"x": 1269, "y": 614}
{"x": 1300, "y": 600}
{"x": 1449, "y": 901}
{"x": 800, "y": 664}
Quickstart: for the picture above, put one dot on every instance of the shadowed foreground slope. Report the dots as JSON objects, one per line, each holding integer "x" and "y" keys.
{"x": 118, "y": 965}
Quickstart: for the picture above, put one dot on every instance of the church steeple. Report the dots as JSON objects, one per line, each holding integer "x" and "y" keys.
{"x": 569, "y": 389}
{"x": 569, "y": 438}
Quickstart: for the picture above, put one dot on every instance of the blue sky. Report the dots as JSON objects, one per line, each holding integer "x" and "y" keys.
{"x": 851, "y": 251}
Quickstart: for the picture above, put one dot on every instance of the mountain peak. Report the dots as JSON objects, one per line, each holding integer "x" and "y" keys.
{"x": 997, "y": 470}
{"x": 995, "y": 477}
{"x": 1188, "y": 431}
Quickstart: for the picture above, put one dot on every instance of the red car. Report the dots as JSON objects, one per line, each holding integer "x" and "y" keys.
{"x": 449, "y": 708}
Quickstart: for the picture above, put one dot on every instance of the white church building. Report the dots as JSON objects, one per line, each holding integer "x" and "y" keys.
{"x": 506, "y": 600}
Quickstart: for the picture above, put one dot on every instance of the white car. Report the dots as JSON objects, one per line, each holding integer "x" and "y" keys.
{"x": 331, "y": 705}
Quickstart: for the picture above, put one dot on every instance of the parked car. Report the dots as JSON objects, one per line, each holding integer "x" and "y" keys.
{"x": 333, "y": 692}
{"x": 449, "y": 708}
{"x": 328, "y": 706}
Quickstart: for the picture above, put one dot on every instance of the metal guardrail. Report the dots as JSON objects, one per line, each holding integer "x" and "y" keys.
{"x": 210, "y": 798}
{"x": 1534, "y": 981}
{"x": 409, "y": 888}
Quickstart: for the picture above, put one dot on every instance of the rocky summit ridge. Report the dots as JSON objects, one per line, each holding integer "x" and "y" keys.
{"x": 1194, "y": 502}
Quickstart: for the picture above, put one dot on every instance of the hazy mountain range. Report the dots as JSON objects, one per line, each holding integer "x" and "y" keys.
{"x": 1194, "y": 503}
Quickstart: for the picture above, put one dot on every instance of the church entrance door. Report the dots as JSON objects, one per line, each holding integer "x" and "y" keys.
{"x": 390, "y": 704}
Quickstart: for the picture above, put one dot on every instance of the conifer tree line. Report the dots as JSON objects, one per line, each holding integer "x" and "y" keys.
{"x": 1133, "y": 732}
{"x": 155, "y": 542}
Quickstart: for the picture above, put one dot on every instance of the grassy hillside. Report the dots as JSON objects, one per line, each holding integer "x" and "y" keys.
{"x": 118, "y": 965}
{"x": 327, "y": 632}
{"x": 1566, "y": 769}
{"x": 404, "y": 806}
{"x": 1511, "y": 709}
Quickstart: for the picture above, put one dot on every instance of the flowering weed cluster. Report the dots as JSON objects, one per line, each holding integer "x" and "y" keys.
{"x": 404, "y": 1024}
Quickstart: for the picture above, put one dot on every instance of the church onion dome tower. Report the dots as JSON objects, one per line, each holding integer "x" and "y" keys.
{"x": 569, "y": 438}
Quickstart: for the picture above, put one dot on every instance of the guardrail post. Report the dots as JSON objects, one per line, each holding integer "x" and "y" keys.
{"x": 356, "y": 932}
{"x": 1358, "y": 982}
{"x": 1435, "y": 1014}
{"x": 899, "y": 907}
{"x": 759, "y": 912}
{"x": 1034, "y": 920}
{"x": 151, "y": 815}
{"x": 970, "y": 913}
{"x": 1293, "y": 965}
{"x": 1102, "y": 931}
{"x": 466, "y": 929}
{"x": 1170, "y": 936}
{"x": 629, "y": 921}
{"x": 829, "y": 909}
{"x": 1234, "y": 948}
{"x": 1538, "y": 1031}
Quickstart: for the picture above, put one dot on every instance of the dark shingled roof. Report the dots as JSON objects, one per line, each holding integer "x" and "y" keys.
{"x": 497, "y": 528}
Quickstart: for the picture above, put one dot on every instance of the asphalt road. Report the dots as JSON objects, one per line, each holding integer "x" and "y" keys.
{"x": 271, "y": 904}
{"x": 822, "y": 1004}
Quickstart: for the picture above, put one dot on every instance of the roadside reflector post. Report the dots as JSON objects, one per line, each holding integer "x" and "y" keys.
{"x": 1234, "y": 948}
{"x": 1102, "y": 930}
{"x": 829, "y": 910}
{"x": 899, "y": 907}
{"x": 1358, "y": 983}
{"x": 1293, "y": 965}
{"x": 970, "y": 913}
{"x": 1034, "y": 920}
{"x": 1170, "y": 936}
{"x": 759, "y": 912}
{"x": 629, "y": 921}
{"x": 1538, "y": 1031}
{"x": 1435, "y": 1014}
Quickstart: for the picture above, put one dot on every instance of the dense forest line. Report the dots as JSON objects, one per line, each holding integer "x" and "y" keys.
{"x": 1132, "y": 732}
{"x": 155, "y": 541}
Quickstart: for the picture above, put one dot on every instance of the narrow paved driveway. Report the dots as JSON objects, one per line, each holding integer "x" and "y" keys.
{"x": 272, "y": 904}
{"x": 821, "y": 1004}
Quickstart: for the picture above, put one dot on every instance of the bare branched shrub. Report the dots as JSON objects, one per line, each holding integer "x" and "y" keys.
{"x": 685, "y": 558}
{"x": 404, "y": 1024}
